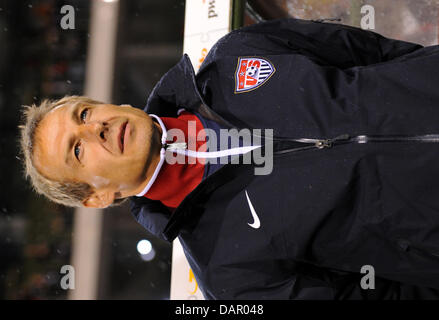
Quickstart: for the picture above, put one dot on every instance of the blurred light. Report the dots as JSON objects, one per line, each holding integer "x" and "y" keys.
{"x": 144, "y": 247}
{"x": 110, "y": 0}
{"x": 149, "y": 256}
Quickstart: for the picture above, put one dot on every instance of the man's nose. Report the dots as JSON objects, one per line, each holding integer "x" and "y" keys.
{"x": 93, "y": 131}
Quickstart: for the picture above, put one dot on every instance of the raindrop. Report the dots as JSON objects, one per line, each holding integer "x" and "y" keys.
{"x": 69, "y": 82}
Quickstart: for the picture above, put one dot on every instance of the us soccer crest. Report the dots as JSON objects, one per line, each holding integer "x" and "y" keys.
{"x": 251, "y": 73}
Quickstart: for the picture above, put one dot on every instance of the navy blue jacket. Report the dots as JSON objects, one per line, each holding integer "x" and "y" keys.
{"x": 330, "y": 206}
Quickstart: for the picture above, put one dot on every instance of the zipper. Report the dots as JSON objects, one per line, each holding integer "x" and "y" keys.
{"x": 346, "y": 138}
{"x": 206, "y": 111}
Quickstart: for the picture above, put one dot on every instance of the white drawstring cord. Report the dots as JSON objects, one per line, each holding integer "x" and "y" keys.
{"x": 181, "y": 148}
{"x": 175, "y": 146}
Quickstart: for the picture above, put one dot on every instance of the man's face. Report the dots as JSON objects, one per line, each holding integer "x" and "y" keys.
{"x": 112, "y": 148}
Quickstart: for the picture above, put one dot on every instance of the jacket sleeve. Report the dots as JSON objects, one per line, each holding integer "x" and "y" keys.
{"x": 330, "y": 44}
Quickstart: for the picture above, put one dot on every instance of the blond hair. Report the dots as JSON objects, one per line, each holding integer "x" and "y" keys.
{"x": 68, "y": 193}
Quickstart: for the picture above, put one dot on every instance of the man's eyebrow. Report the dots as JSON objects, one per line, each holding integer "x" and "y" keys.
{"x": 71, "y": 140}
{"x": 75, "y": 115}
{"x": 68, "y": 158}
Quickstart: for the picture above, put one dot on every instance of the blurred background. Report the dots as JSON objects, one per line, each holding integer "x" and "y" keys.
{"x": 39, "y": 59}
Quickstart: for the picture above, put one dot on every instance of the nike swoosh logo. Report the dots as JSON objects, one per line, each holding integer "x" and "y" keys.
{"x": 256, "y": 223}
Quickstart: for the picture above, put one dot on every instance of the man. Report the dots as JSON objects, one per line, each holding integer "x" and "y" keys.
{"x": 353, "y": 174}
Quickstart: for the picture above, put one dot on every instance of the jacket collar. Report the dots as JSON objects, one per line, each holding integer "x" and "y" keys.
{"x": 177, "y": 88}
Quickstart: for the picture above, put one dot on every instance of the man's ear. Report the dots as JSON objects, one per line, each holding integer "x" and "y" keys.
{"x": 99, "y": 199}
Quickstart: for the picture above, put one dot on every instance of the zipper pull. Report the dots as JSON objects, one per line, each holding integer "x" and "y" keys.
{"x": 327, "y": 143}
{"x": 175, "y": 146}
{"x": 323, "y": 144}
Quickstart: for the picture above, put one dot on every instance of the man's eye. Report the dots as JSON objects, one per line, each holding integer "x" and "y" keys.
{"x": 83, "y": 114}
{"x": 77, "y": 150}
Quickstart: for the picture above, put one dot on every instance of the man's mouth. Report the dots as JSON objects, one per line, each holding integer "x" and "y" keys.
{"x": 122, "y": 136}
